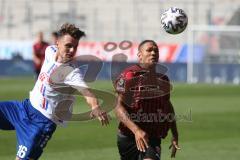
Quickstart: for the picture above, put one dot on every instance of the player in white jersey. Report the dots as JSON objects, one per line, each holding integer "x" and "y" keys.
{"x": 51, "y": 101}
{"x": 49, "y": 93}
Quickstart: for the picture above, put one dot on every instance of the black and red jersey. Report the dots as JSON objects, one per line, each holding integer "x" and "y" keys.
{"x": 146, "y": 99}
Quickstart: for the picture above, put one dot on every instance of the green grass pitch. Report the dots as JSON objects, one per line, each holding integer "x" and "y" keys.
{"x": 209, "y": 128}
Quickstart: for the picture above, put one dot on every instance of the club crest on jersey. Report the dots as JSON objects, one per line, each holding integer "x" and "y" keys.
{"x": 121, "y": 85}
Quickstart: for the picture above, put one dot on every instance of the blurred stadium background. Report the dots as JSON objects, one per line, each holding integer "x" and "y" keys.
{"x": 211, "y": 39}
{"x": 203, "y": 63}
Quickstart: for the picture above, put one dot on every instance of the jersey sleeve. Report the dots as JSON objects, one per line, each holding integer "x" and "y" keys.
{"x": 165, "y": 84}
{"x": 123, "y": 82}
{"x": 49, "y": 53}
{"x": 75, "y": 79}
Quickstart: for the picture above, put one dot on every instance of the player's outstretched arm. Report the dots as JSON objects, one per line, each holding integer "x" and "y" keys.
{"x": 96, "y": 109}
{"x": 141, "y": 137}
{"x": 174, "y": 144}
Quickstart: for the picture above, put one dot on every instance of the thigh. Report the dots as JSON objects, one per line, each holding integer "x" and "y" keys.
{"x": 33, "y": 133}
{"x": 153, "y": 151}
{"x": 127, "y": 148}
{"x": 32, "y": 139}
{"x": 9, "y": 114}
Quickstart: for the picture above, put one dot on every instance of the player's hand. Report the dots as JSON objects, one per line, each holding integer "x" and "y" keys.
{"x": 174, "y": 147}
{"x": 100, "y": 114}
{"x": 141, "y": 139}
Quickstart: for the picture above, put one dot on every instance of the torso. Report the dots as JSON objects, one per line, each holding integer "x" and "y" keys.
{"x": 145, "y": 95}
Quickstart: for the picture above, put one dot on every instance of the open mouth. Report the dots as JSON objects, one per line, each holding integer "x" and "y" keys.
{"x": 69, "y": 55}
{"x": 154, "y": 59}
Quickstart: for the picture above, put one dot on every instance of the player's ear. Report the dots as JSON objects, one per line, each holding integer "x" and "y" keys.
{"x": 139, "y": 55}
{"x": 57, "y": 42}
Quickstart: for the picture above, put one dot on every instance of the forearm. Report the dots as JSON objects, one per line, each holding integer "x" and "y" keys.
{"x": 173, "y": 127}
{"x": 96, "y": 110}
{"x": 90, "y": 98}
{"x": 123, "y": 116}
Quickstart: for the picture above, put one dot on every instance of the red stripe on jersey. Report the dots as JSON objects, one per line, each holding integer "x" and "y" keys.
{"x": 44, "y": 103}
{"x": 41, "y": 89}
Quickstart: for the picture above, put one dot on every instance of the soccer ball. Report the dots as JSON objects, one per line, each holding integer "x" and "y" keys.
{"x": 174, "y": 20}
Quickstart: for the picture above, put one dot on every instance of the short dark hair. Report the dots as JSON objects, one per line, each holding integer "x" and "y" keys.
{"x": 72, "y": 30}
{"x": 146, "y": 41}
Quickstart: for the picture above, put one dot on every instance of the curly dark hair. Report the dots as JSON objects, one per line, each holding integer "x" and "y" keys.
{"x": 72, "y": 30}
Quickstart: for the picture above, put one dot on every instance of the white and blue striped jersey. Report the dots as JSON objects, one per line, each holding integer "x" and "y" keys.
{"x": 53, "y": 93}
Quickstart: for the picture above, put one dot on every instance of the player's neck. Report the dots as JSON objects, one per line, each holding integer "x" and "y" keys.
{"x": 58, "y": 58}
{"x": 151, "y": 68}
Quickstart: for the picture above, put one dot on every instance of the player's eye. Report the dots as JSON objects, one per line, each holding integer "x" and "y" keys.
{"x": 149, "y": 50}
{"x": 68, "y": 46}
{"x": 156, "y": 50}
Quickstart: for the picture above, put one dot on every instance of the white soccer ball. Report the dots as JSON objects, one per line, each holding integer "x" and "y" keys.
{"x": 174, "y": 20}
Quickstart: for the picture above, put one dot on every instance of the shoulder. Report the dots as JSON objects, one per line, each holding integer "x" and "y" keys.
{"x": 51, "y": 48}
{"x": 130, "y": 72}
{"x": 74, "y": 77}
{"x": 50, "y": 52}
{"x": 165, "y": 85}
{"x": 163, "y": 77}
{"x": 135, "y": 67}
{"x": 125, "y": 77}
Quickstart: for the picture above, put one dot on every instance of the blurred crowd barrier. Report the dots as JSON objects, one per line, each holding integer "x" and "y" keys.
{"x": 16, "y": 59}
{"x": 216, "y": 73}
{"x": 168, "y": 53}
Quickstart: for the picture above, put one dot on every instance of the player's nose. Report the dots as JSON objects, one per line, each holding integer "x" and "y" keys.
{"x": 153, "y": 53}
